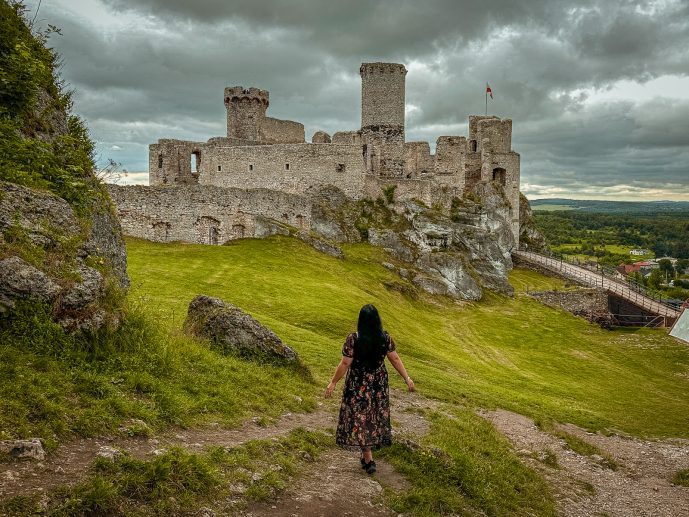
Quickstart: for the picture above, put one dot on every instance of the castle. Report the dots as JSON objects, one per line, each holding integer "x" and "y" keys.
{"x": 264, "y": 166}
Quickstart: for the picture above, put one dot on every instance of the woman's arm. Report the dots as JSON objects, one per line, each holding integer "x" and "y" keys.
{"x": 396, "y": 362}
{"x": 339, "y": 373}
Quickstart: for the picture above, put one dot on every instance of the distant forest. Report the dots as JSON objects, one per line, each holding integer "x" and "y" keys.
{"x": 665, "y": 231}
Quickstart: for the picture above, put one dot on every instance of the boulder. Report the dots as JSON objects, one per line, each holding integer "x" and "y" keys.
{"x": 31, "y": 449}
{"x": 234, "y": 331}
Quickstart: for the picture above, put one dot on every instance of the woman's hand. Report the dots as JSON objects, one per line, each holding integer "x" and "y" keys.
{"x": 329, "y": 390}
{"x": 410, "y": 384}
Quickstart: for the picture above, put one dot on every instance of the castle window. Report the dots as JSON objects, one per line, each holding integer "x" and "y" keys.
{"x": 500, "y": 176}
{"x": 160, "y": 161}
{"x": 473, "y": 145}
{"x": 195, "y": 161}
{"x": 287, "y": 166}
{"x": 339, "y": 167}
{"x": 219, "y": 168}
{"x": 251, "y": 167}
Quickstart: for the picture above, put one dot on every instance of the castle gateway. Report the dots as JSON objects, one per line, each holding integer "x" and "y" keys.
{"x": 211, "y": 192}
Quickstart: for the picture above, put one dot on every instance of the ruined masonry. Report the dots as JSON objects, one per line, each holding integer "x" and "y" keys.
{"x": 264, "y": 168}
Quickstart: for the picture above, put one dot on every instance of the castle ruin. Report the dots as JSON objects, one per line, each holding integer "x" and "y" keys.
{"x": 214, "y": 191}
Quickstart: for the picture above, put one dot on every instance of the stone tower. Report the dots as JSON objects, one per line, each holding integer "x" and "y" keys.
{"x": 246, "y": 111}
{"x": 382, "y": 97}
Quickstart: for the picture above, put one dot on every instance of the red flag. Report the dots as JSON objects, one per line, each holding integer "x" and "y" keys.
{"x": 489, "y": 91}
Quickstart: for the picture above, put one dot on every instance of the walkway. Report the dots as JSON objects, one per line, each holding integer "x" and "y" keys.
{"x": 594, "y": 279}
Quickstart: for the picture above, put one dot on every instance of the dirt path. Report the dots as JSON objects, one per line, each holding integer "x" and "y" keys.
{"x": 584, "y": 487}
{"x": 334, "y": 474}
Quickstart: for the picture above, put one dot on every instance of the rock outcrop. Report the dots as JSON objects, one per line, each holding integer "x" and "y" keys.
{"x": 31, "y": 449}
{"x": 529, "y": 235}
{"x": 233, "y": 331}
{"x": 457, "y": 253}
{"x": 50, "y": 257}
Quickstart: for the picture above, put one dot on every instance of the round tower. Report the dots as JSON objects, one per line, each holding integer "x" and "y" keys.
{"x": 382, "y": 97}
{"x": 246, "y": 110}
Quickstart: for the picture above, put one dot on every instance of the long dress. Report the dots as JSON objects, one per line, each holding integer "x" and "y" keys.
{"x": 365, "y": 408}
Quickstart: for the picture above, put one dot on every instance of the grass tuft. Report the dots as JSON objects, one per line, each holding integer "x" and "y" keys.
{"x": 681, "y": 478}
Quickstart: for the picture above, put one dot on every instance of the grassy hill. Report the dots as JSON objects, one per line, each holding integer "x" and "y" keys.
{"x": 512, "y": 353}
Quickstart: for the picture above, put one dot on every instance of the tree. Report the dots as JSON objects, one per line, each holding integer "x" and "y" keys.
{"x": 655, "y": 279}
{"x": 666, "y": 268}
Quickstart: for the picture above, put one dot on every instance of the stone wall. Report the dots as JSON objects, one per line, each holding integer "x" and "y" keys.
{"x": 289, "y": 168}
{"x": 170, "y": 162}
{"x": 204, "y": 214}
{"x": 418, "y": 160}
{"x": 591, "y": 304}
{"x": 276, "y": 131}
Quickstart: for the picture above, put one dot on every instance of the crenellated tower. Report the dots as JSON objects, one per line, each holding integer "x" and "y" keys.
{"x": 382, "y": 117}
{"x": 246, "y": 112}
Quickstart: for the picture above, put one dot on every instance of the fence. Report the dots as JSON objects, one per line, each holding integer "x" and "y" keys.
{"x": 602, "y": 277}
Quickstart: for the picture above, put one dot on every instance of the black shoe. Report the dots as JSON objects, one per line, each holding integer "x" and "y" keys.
{"x": 363, "y": 463}
{"x": 370, "y": 467}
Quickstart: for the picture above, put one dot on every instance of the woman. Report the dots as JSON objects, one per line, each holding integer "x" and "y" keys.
{"x": 365, "y": 410}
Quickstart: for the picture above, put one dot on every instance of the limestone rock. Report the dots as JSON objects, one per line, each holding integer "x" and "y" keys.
{"x": 529, "y": 235}
{"x": 235, "y": 331}
{"x": 21, "y": 280}
{"x": 42, "y": 226}
{"x": 24, "y": 449}
{"x": 109, "y": 453}
{"x": 105, "y": 240}
{"x": 85, "y": 292}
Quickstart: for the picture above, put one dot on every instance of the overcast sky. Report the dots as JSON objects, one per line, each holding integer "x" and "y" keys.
{"x": 598, "y": 91}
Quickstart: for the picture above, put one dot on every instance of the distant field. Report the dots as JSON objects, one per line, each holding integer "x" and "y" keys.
{"x": 553, "y": 208}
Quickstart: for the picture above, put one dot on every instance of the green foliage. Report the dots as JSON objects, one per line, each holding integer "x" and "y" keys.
{"x": 179, "y": 481}
{"x": 664, "y": 233}
{"x": 33, "y": 152}
{"x": 389, "y": 194}
{"x": 476, "y": 471}
{"x": 681, "y": 478}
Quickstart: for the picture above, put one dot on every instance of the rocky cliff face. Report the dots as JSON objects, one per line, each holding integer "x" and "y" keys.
{"x": 529, "y": 235}
{"x": 49, "y": 255}
{"x": 458, "y": 254}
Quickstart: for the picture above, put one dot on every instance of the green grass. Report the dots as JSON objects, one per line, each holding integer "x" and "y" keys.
{"x": 54, "y": 385}
{"x": 508, "y": 352}
{"x": 681, "y": 478}
{"x": 476, "y": 472}
{"x": 179, "y": 482}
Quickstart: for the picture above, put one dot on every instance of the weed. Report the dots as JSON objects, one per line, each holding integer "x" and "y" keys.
{"x": 681, "y": 478}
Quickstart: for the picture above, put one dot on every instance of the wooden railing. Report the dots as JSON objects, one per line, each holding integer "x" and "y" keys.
{"x": 602, "y": 279}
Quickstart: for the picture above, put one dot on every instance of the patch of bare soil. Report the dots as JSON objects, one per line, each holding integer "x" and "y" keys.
{"x": 334, "y": 485}
{"x": 583, "y": 486}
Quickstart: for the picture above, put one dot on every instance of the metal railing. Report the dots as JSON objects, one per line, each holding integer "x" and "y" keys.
{"x": 636, "y": 294}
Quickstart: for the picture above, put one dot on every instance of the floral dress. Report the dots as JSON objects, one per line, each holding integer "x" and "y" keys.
{"x": 365, "y": 409}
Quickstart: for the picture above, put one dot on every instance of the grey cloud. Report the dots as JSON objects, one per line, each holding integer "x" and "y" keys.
{"x": 165, "y": 77}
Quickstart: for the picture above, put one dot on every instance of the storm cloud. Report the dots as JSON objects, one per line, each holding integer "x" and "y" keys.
{"x": 598, "y": 91}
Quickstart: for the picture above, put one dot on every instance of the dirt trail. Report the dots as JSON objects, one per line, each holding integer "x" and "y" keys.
{"x": 336, "y": 485}
{"x": 335, "y": 473}
{"x": 583, "y": 486}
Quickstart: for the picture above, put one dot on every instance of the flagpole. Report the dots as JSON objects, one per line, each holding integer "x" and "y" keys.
{"x": 486, "y": 101}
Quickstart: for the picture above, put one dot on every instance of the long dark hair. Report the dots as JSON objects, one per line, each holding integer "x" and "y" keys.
{"x": 370, "y": 346}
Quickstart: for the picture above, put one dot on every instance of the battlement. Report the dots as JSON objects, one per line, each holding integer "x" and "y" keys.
{"x": 239, "y": 93}
{"x": 264, "y": 152}
{"x": 382, "y": 68}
